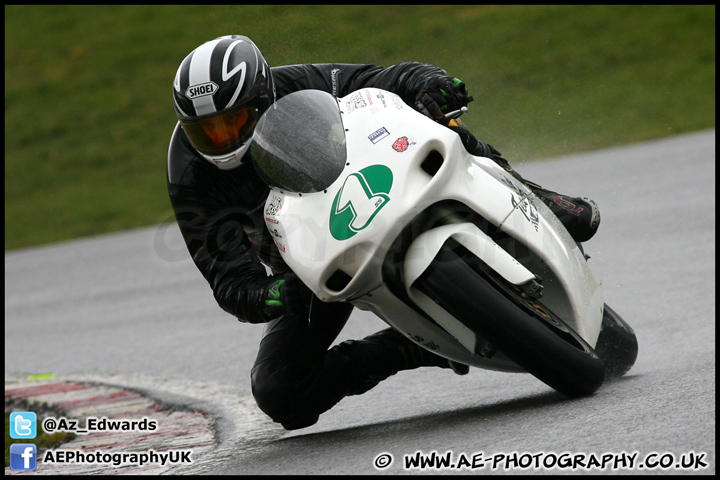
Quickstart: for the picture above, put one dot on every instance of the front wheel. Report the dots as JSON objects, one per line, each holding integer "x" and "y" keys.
{"x": 554, "y": 354}
{"x": 617, "y": 344}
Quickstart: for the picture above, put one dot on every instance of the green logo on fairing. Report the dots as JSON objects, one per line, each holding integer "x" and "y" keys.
{"x": 361, "y": 197}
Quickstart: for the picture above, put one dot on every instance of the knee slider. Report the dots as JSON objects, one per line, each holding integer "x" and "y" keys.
{"x": 276, "y": 397}
{"x": 296, "y": 397}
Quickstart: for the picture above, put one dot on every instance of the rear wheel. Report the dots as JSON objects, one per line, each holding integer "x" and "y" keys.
{"x": 527, "y": 333}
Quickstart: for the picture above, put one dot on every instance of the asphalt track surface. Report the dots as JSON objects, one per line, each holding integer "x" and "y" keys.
{"x": 130, "y": 310}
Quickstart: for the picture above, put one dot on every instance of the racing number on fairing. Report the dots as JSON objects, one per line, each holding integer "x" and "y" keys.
{"x": 363, "y": 203}
{"x": 359, "y": 200}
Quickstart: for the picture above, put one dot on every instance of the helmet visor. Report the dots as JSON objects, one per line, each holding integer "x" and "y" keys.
{"x": 222, "y": 133}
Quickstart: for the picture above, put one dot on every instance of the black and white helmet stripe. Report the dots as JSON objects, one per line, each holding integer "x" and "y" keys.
{"x": 219, "y": 77}
{"x": 217, "y": 74}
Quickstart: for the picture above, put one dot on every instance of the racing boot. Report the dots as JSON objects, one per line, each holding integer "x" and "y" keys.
{"x": 579, "y": 215}
{"x": 383, "y": 354}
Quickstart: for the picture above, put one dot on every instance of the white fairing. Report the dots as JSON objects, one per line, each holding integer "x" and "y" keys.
{"x": 350, "y": 226}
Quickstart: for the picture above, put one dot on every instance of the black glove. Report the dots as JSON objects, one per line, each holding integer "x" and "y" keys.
{"x": 441, "y": 95}
{"x": 286, "y": 293}
{"x": 472, "y": 144}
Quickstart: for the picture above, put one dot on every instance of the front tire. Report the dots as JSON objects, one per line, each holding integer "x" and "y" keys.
{"x": 557, "y": 356}
{"x": 617, "y": 344}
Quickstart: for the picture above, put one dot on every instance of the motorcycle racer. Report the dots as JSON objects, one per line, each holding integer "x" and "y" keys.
{"x": 220, "y": 91}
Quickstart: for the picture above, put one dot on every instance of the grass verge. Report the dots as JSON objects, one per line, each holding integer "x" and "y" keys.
{"x": 88, "y": 108}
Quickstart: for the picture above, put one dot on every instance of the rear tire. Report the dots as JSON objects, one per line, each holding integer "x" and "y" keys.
{"x": 556, "y": 355}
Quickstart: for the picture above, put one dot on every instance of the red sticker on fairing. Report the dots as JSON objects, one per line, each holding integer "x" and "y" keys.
{"x": 403, "y": 144}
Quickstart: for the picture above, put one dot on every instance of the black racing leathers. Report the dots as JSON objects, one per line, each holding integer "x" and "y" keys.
{"x": 220, "y": 212}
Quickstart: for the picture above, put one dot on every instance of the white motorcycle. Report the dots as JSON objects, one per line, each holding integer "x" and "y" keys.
{"x": 374, "y": 204}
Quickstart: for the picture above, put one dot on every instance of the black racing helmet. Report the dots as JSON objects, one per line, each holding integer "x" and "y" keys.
{"x": 220, "y": 91}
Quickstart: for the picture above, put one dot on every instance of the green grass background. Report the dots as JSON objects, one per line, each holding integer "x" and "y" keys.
{"x": 88, "y": 108}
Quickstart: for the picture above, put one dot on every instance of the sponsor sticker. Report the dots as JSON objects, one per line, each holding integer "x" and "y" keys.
{"x": 355, "y": 102}
{"x": 399, "y": 104}
{"x": 360, "y": 199}
{"x": 527, "y": 208}
{"x": 274, "y": 206}
{"x": 381, "y": 97}
{"x": 378, "y": 135}
{"x": 403, "y": 144}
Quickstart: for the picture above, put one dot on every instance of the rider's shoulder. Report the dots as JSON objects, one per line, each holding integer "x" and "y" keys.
{"x": 331, "y": 77}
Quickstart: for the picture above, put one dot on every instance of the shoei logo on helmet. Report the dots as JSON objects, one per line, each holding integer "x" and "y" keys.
{"x": 201, "y": 90}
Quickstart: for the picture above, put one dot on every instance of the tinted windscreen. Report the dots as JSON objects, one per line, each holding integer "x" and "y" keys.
{"x": 299, "y": 142}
